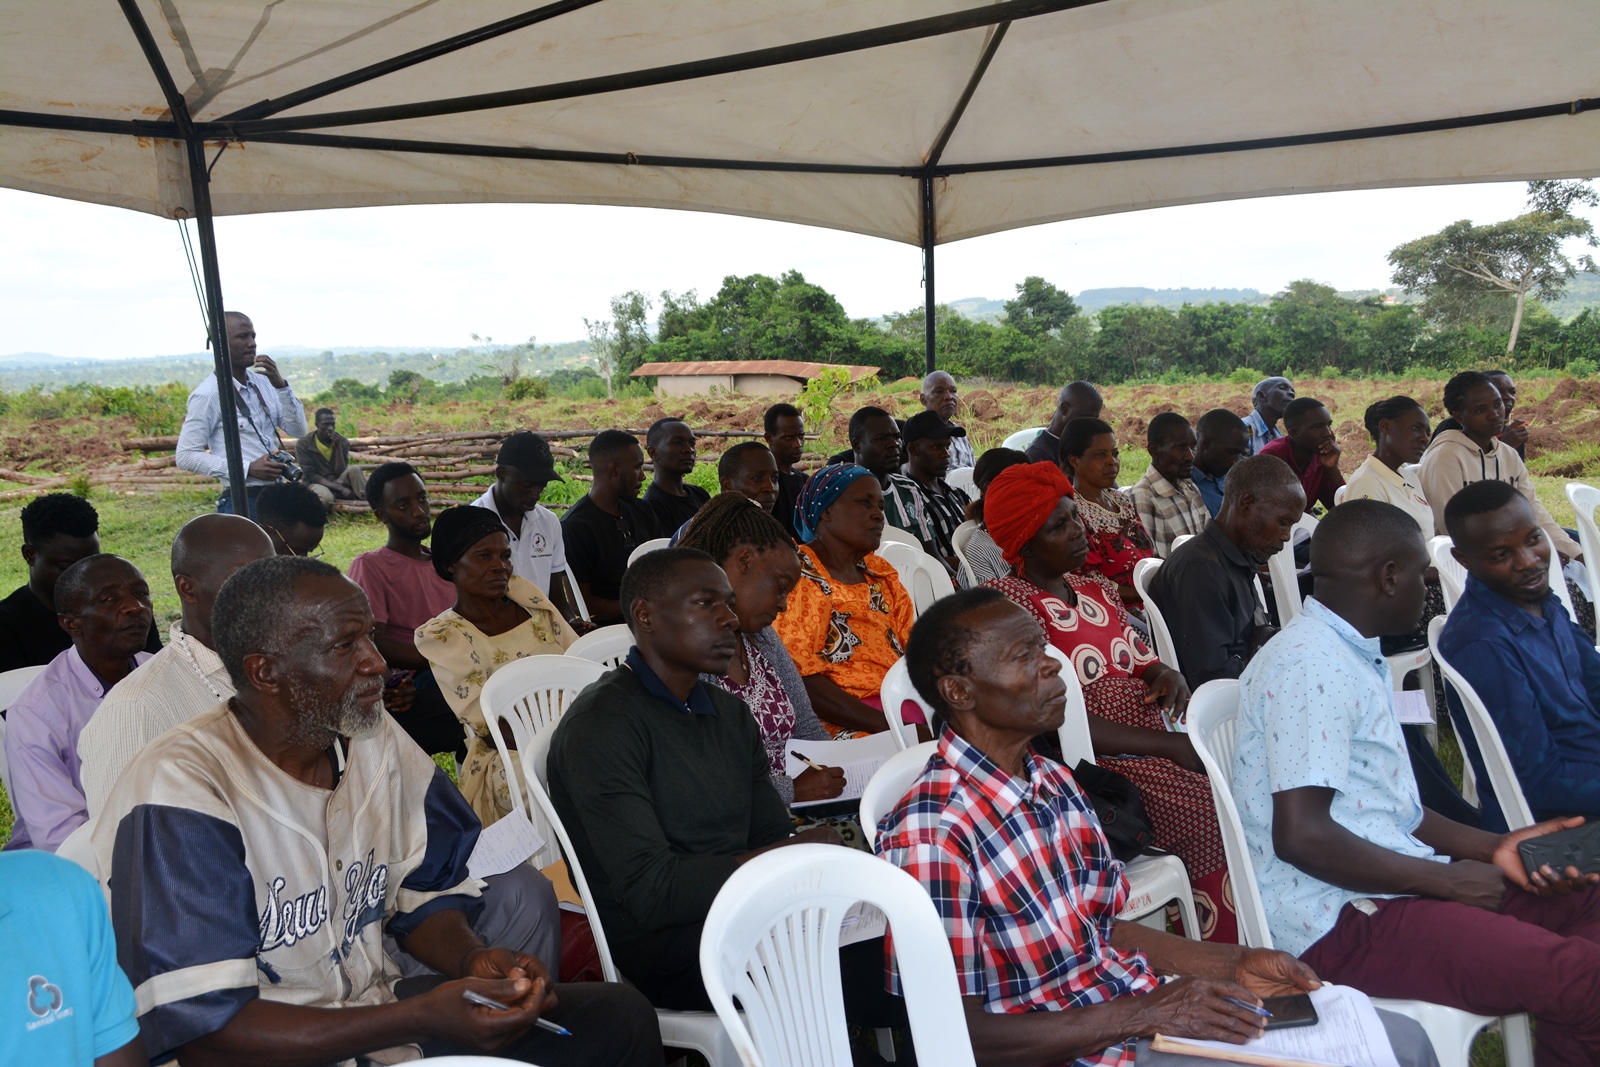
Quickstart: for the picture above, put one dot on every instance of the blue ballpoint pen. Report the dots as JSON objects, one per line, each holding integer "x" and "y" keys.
{"x": 1258, "y": 1009}
{"x": 474, "y": 997}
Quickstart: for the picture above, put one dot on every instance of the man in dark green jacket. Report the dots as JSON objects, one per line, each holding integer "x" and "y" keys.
{"x": 663, "y": 784}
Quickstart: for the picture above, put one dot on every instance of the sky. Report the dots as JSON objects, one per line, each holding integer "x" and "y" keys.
{"x": 80, "y": 280}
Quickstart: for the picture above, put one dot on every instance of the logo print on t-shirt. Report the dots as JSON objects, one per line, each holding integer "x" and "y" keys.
{"x": 44, "y": 996}
{"x": 541, "y": 544}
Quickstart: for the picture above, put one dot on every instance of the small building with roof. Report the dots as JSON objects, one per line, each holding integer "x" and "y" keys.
{"x": 750, "y": 377}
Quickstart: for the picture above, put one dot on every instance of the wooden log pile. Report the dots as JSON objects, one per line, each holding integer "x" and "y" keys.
{"x": 456, "y": 465}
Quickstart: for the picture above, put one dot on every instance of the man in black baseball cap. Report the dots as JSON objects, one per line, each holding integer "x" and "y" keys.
{"x": 919, "y": 501}
{"x": 523, "y": 467}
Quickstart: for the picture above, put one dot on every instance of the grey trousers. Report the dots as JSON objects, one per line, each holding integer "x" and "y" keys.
{"x": 1406, "y": 1036}
{"x": 519, "y": 912}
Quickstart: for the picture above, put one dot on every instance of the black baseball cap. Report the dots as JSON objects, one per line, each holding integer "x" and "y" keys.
{"x": 528, "y": 453}
{"x": 930, "y": 424}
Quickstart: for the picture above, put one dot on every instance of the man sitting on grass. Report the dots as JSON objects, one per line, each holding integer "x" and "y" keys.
{"x": 256, "y": 856}
{"x": 1360, "y": 880}
{"x": 324, "y": 458}
{"x": 1010, "y": 850}
{"x": 105, "y": 608}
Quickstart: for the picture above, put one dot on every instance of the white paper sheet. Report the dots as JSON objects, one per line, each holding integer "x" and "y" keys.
{"x": 1348, "y": 1034}
{"x": 858, "y": 757}
{"x": 862, "y": 922}
{"x": 1411, "y": 705}
{"x": 502, "y": 846}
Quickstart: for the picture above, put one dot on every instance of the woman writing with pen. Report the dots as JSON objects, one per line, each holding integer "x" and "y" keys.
{"x": 756, "y": 553}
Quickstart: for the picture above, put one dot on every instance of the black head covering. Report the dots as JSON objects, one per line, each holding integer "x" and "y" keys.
{"x": 458, "y": 529}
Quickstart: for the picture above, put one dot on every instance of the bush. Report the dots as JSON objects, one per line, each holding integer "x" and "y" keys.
{"x": 528, "y": 389}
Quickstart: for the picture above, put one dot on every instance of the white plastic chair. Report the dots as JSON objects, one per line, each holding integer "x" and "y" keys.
{"x": 771, "y": 941}
{"x": 1143, "y": 571}
{"x": 1496, "y": 762}
{"x": 1585, "y": 498}
{"x": 1285, "y": 582}
{"x": 1213, "y": 728}
{"x": 1452, "y": 575}
{"x": 895, "y": 535}
{"x": 607, "y": 646}
{"x": 958, "y": 541}
{"x": 697, "y": 1030}
{"x": 1181, "y": 538}
{"x": 13, "y": 682}
{"x": 531, "y": 695}
{"x": 895, "y": 691}
{"x": 1286, "y": 592}
{"x": 649, "y": 546}
{"x": 577, "y": 596}
{"x": 961, "y": 478}
{"x": 1339, "y": 494}
{"x": 923, "y": 576}
{"x": 1022, "y": 439}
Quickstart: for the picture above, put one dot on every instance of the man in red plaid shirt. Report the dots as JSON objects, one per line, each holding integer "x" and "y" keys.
{"x": 1010, "y": 851}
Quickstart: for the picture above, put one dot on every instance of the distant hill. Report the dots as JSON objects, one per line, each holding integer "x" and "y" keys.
{"x": 1582, "y": 292}
{"x": 977, "y": 308}
{"x": 1095, "y": 299}
{"x": 311, "y": 370}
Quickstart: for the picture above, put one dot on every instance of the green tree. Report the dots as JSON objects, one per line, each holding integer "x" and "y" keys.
{"x": 1465, "y": 272}
{"x": 630, "y": 313}
{"x": 1039, "y": 308}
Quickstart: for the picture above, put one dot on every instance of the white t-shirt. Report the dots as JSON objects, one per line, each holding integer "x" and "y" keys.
{"x": 537, "y": 552}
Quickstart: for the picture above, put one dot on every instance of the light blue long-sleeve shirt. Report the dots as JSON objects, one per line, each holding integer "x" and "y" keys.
{"x": 262, "y": 411}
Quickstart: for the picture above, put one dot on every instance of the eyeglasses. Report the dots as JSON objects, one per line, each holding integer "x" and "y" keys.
{"x": 315, "y": 553}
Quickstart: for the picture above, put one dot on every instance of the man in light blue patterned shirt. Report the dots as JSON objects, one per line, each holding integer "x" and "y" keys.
{"x": 1353, "y": 869}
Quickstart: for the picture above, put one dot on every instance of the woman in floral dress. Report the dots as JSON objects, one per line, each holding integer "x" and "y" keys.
{"x": 1117, "y": 539}
{"x": 497, "y": 618}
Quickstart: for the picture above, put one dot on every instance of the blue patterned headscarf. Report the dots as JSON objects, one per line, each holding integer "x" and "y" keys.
{"x": 821, "y": 490}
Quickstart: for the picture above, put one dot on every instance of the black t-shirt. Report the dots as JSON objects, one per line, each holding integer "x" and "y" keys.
{"x": 30, "y": 635}
{"x": 598, "y": 543}
{"x": 790, "y": 484}
{"x": 673, "y": 511}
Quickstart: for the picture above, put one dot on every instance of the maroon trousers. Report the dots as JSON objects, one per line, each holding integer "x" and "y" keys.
{"x": 1536, "y": 954}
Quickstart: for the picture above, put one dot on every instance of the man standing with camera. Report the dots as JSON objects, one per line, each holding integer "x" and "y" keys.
{"x": 262, "y": 412}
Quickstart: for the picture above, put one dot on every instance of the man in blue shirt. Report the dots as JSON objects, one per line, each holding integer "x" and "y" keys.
{"x": 1535, "y": 670}
{"x": 1360, "y": 880}
{"x": 56, "y": 943}
{"x": 1222, "y": 439}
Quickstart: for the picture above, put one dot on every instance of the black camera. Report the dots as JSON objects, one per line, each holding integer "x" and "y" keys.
{"x": 291, "y": 470}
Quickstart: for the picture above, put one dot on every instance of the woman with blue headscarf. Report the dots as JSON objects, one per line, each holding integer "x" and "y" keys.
{"x": 848, "y": 618}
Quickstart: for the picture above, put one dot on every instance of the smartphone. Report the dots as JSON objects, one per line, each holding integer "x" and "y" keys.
{"x": 1578, "y": 847}
{"x": 1289, "y": 1012}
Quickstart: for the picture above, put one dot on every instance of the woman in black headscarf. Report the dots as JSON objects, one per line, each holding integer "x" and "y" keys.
{"x": 497, "y": 618}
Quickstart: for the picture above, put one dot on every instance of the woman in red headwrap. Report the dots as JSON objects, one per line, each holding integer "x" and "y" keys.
{"x": 1032, "y": 515}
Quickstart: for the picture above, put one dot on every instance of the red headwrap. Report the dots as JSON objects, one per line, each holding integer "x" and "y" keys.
{"x": 1017, "y": 503}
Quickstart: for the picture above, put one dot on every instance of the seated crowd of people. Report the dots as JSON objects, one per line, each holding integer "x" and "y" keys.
{"x": 289, "y": 871}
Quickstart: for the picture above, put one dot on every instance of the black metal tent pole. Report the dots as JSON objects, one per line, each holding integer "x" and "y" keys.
{"x": 211, "y": 275}
{"x": 928, "y": 303}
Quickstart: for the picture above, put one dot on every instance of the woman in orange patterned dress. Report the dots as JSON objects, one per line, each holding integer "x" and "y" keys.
{"x": 848, "y": 618}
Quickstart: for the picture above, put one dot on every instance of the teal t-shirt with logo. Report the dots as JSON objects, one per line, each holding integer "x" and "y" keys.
{"x": 63, "y": 998}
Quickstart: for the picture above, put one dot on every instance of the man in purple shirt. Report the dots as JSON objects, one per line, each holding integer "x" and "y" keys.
{"x": 104, "y": 605}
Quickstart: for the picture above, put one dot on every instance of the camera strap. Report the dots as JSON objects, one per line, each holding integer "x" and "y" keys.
{"x": 267, "y": 441}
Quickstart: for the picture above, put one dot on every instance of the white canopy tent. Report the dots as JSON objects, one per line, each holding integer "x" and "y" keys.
{"x": 923, "y": 121}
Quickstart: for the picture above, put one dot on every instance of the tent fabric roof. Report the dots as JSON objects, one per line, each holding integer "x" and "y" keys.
{"x": 825, "y": 112}
{"x": 789, "y": 368}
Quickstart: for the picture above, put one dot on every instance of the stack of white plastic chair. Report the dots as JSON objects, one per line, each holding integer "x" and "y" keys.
{"x": 1213, "y": 727}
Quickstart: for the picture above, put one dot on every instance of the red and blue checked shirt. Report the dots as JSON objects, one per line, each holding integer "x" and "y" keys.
{"x": 1024, "y": 880}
